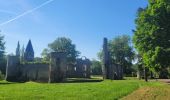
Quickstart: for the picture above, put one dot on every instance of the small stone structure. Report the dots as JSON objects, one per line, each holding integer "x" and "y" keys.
{"x": 110, "y": 69}
{"x": 55, "y": 71}
{"x": 81, "y": 68}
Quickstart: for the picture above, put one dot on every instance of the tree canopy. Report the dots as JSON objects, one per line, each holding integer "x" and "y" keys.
{"x": 45, "y": 54}
{"x": 2, "y": 47}
{"x": 2, "y": 55}
{"x": 63, "y": 44}
{"x": 152, "y": 34}
{"x": 122, "y": 52}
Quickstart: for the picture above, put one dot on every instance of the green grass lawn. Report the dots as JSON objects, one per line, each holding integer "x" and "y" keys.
{"x": 105, "y": 90}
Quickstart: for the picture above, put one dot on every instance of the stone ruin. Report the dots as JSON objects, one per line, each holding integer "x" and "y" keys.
{"x": 110, "y": 69}
{"x": 58, "y": 69}
{"x": 58, "y": 66}
{"x": 81, "y": 68}
{"x": 55, "y": 71}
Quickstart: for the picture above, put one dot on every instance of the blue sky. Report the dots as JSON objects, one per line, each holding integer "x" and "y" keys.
{"x": 86, "y": 22}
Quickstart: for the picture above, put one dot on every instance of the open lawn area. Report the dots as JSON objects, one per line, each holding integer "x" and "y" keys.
{"x": 105, "y": 90}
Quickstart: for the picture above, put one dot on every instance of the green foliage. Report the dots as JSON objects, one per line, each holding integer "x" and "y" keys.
{"x": 139, "y": 64}
{"x": 2, "y": 47}
{"x": 2, "y": 55}
{"x": 106, "y": 90}
{"x": 96, "y": 67}
{"x": 45, "y": 54}
{"x": 63, "y": 44}
{"x": 3, "y": 65}
{"x": 152, "y": 34}
{"x": 36, "y": 62}
{"x": 100, "y": 56}
{"x": 122, "y": 52}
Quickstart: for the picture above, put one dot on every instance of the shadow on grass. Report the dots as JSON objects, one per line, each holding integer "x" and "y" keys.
{"x": 7, "y": 83}
{"x": 68, "y": 80}
{"x": 81, "y": 80}
{"x": 3, "y": 82}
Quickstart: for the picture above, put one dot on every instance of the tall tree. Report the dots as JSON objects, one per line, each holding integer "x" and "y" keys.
{"x": 122, "y": 52}
{"x": 22, "y": 53}
{"x": 152, "y": 34}
{"x": 2, "y": 55}
{"x": 63, "y": 44}
{"x": 18, "y": 51}
{"x": 2, "y": 47}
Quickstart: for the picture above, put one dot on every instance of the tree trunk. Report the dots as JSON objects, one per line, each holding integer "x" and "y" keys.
{"x": 145, "y": 74}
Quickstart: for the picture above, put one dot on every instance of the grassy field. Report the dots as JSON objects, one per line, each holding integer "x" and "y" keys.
{"x": 105, "y": 90}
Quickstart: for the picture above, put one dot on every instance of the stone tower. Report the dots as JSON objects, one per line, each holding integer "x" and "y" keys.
{"x": 106, "y": 60}
{"x": 29, "y": 52}
{"x": 58, "y": 67}
{"x": 12, "y": 69}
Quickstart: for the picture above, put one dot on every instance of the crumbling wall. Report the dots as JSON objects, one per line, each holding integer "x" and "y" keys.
{"x": 58, "y": 66}
{"x": 13, "y": 68}
{"x": 82, "y": 68}
{"x": 56, "y": 71}
{"x": 35, "y": 72}
{"x": 71, "y": 71}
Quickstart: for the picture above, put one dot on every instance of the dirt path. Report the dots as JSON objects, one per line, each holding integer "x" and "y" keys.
{"x": 164, "y": 80}
{"x": 151, "y": 92}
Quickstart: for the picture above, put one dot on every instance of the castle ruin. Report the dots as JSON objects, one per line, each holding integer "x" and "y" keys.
{"x": 56, "y": 70}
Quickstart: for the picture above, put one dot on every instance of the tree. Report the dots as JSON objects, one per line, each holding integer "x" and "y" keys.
{"x": 2, "y": 47}
{"x": 122, "y": 52}
{"x": 96, "y": 67}
{"x": 139, "y": 66}
{"x": 2, "y": 54}
{"x": 45, "y": 54}
{"x": 63, "y": 44}
{"x": 152, "y": 35}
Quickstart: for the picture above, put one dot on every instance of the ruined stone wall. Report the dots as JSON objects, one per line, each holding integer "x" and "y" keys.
{"x": 83, "y": 68}
{"x": 56, "y": 71}
{"x": 12, "y": 69}
{"x": 35, "y": 72}
{"x": 58, "y": 67}
{"x": 71, "y": 71}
